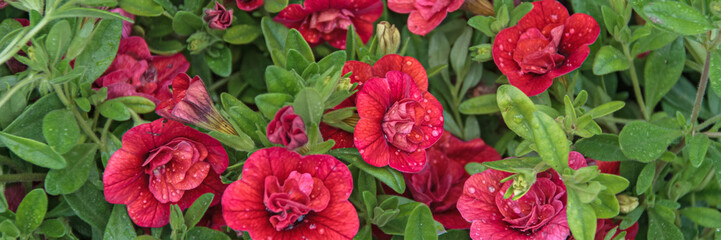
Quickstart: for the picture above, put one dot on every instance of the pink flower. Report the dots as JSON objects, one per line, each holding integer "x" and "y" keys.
{"x": 328, "y": 20}
{"x": 545, "y": 44}
{"x": 440, "y": 183}
{"x": 218, "y": 18}
{"x": 249, "y": 5}
{"x": 191, "y": 104}
{"x": 127, "y": 26}
{"x": 425, "y": 15}
{"x": 283, "y": 195}
{"x": 162, "y": 163}
{"x": 135, "y": 72}
{"x": 287, "y": 128}
{"x": 398, "y": 121}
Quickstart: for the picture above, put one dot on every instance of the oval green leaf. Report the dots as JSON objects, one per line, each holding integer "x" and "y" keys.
{"x": 484, "y": 104}
{"x": 33, "y": 151}
{"x": 644, "y": 141}
{"x": 31, "y": 211}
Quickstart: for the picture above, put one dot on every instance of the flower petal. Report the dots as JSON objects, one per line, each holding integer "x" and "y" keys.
{"x": 407, "y": 65}
{"x": 478, "y": 202}
{"x": 421, "y": 26}
{"x": 374, "y": 99}
{"x": 146, "y": 211}
{"x": 432, "y": 120}
{"x": 370, "y": 142}
{"x": 211, "y": 184}
{"x": 543, "y": 14}
{"x": 580, "y": 30}
{"x": 338, "y": 221}
{"x": 123, "y": 177}
{"x": 451, "y": 219}
{"x": 405, "y": 161}
{"x": 361, "y": 71}
{"x": 335, "y": 175}
{"x": 401, "y": 6}
{"x": 246, "y": 5}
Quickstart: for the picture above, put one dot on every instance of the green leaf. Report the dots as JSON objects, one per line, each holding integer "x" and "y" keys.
{"x": 71, "y": 178}
{"x": 387, "y": 175}
{"x": 27, "y": 124}
{"x": 58, "y": 40}
{"x": 8, "y": 229}
{"x": 137, "y": 104}
{"x": 613, "y": 183}
{"x": 655, "y": 40}
{"x": 517, "y": 110}
{"x": 474, "y": 167}
{"x": 240, "y": 142}
{"x": 280, "y": 80}
{"x": 608, "y": 60}
{"x": 707, "y": 217}
{"x": 513, "y": 165}
{"x": 645, "y": 178}
{"x": 370, "y": 201}
{"x": 33, "y": 151}
{"x": 146, "y": 8}
{"x": 196, "y": 211}
{"x": 114, "y": 109}
{"x": 334, "y": 60}
{"x": 220, "y": 64}
{"x": 163, "y": 47}
{"x": 484, "y": 104}
{"x": 203, "y": 233}
{"x": 60, "y": 130}
{"x": 31, "y": 211}
{"x": 644, "y": 141}
{"x": 551, "y": 141}
{"x": 270, "y": 103}
{"x": 606, "y": 205}
{"x": 420, "y": 224}
{"x": 275, "y": 6}
{"x": 52, "y": 228}
{"x": 275, "y": 35}
{"x": 100, "y": 50}
{"x": 581, "y": 217}
{"x": 661, "y": 229}
{"x": 602, "y": 147}
{"x": 459, "y": 51}
{"x": 519, "y": 11}
{"x": 483, "y": 24}
{"x": 309, "y": 106}
{"x": 242, "y": 34}
{"x": 663, "y": 69}
{"x": 89, "y": 12}
{"x": 194, "y": 6}
{"x": 715, "y": 71}
{"x": 186, "y": 23}
{"x": 89, "y": 204}
{"x": 697, "y": 147}
{"x": 677, "y": 17}
{"x": 605, "y": 109}
{"x": 177, "y": 224}
{"x": 295, "y": 41}
{"x": 119, "y": 226}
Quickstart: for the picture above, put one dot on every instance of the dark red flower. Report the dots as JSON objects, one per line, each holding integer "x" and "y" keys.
{"x": 328, "y": 20}
{"x": 14, "y": 194}
{"x": 362, "y": 72}
{"x": 135, "y": 72}
{"x": 603, "y": 226}
{"x": 425, "y": 15}
{"x": 213, "y": 218}
{"x": 283, "y": 195}
{"x": 191, "y": 104}
{"x": 3, "y": 4}
{"x": 440, "y": 183}
{"x": 545, "y": 44}
{"x": 287, "y": 128}
{"x": 218, "y": 18}
{"x": 249, "y": 5}
{"x": 162, "y": 163}
{"x": 398, "y": 121}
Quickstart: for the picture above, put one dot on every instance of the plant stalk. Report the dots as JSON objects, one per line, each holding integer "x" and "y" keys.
{"x": 636, "y": 86}
{"x": 22, "y": 177}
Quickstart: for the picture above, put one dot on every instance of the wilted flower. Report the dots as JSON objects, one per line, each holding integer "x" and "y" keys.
{"x": 191, "y": 104}
{"x": 162, "y": 163}
{"x": 424, "y": 15}
{"x": 283, "y": 195}
{"x": 287, "y": 128}
{"x": 480, "y": 7}
{"x": 218, "y": 18}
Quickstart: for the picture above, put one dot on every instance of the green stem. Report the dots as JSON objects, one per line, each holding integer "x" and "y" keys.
{"x": 78, "y": 118}
{"x": 8, "y": 162}
{"x": 15, "y": 88}
{"x": 701, "y": 88}
{"x": 22, "y": 177}
{"x": 104, "y": 133}
{"x": 18, "y": 43}
{"x": 708, "y": 122}
{"x": 634, "y": 80}
{"x": 713, "y": 134}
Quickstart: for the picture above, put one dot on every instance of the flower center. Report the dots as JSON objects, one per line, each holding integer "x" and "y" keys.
{"x": 536, "y": 53}
{"x": 176, "y": 167}
{"x": 148, "y": 80}
{"x": 288, "y": 204}
{"x": 328, "y": 20}
{"x": 399, "y": 125}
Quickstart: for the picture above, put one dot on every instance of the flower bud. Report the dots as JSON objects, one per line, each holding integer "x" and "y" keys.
{"x": 627, "y": 203}
{"x": 482, "y": 52}
{"x": 389, "y": 38}
{"x": 198, "y": 42}
{"x": 479, "y": 7}
{"x": 218, "y": 18}
{"x": 287, "y": 128}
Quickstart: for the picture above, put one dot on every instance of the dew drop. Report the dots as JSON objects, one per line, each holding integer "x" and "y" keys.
{"x": 491, "y": 189}
{"x": 434, "y": 133}
{"x": 471, "y": 190}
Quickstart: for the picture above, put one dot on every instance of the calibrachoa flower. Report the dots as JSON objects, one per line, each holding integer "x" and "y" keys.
{"x": 162, "y": 163}
{"x": 545, "y": 44}
{"x": 362, "y": 72}
{"x": 249, "y": 5}
{"x": 213, "y": 218}
{"x": 425, "y": 15}
{"x": 398, "y": 121}
{"x": 218, "y": 17}
{"x": 328, "y": 20}
{"x": 283, "y": 195}
{"x": 440, "y": 183}
{"x": 135, "y": 72}
{"x": 287, "y": 128}
{"x": 191, "y": 104}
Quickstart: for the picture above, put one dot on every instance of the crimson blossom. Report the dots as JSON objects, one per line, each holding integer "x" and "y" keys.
{"x": 398, "y": 121}
{"x": 425, "y": 15}
{"x": 249, "y": 5}
{"x": 362, "y": 72}
{"x": 283, "y": 195}
{"x": 546, "y": 43}
{"x": 328, "y": 20}
{"x": 162, "y": 163}
{"x": 440, "y": 183}
{"x": 218, "y": 17}
{"x": 287, "y": 128}
{"x": 135, "y": 72}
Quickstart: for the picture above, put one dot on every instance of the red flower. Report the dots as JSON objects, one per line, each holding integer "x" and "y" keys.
{"x": 249, "y": 5}
{"x": 603, "y": 226}
{"x": 425, "y": 15}
{"x": 135, "y": 72}
{"x": 191, "y": 104}
{"x": 328, "y": 20}
{"x": 3, "y": 4}
{"x": 219, "y": 18}
{"x": 545, "y": 44}
{"x": 283, "y": 195}
{"x": 398, "y": 121}
{"x": 213, "y": 218}
{"x": 287, "y": 128}
{"x": 127, "y": 26}
{"x": 440, "y": 183}
{"x": 162, "y": 163}
{"x": 362, "y": 72}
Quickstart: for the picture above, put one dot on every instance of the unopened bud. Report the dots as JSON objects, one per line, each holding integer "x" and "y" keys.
{"x": 389, "y": 38}
{"x": 627, "y": 203}
{"x": 481, "y": 52}
{"x": 344, "y": 84}
{"x": 479, "y": 7}
{"x": 198, "y": 42}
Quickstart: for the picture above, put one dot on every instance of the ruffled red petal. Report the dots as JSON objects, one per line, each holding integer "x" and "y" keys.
{"x": 579, "y": 31}
{"x": 292, "y": 15}
{"x": 407, "y": 65}
{"x": 361, "y": 72}
{"x": 401, "y": 6}
{"x": 369, "y": 140}
{"x": 417, "y": 24}
{"x": 431, "y": 123}
{"x": 248, "y": 5}
{"x": 146, "y": 211}
{"x": 543, "y": 14}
